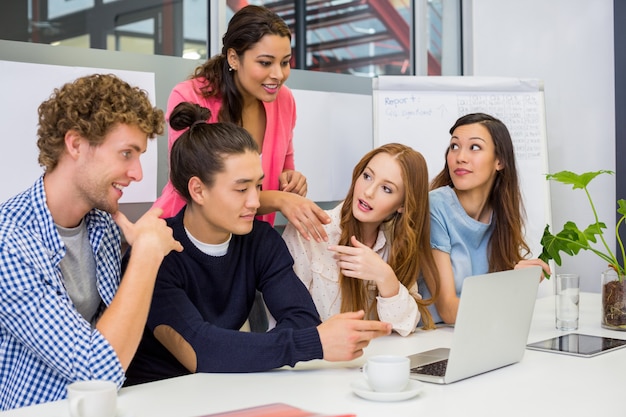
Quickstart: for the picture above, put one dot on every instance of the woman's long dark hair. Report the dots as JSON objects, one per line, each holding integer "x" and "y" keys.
{"x": 245, "y": 29}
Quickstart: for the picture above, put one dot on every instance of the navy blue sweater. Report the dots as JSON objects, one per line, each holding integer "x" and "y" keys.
{"x": 207, "y": 299}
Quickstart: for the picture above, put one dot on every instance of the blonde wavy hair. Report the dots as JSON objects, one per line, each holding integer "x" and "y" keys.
{"x": 408, "y": 233}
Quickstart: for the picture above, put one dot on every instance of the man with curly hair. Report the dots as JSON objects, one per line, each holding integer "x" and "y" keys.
{"x": 65, "y": 312}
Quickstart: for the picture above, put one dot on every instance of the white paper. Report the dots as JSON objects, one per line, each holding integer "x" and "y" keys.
{"x": 23, "y": 87}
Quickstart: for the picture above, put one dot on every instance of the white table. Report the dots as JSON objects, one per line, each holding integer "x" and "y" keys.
{"x": 542, "y": 384}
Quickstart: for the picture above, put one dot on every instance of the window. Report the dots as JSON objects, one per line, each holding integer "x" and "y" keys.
{"x": 365, "y": 38}
{"x": 373, "y": 37}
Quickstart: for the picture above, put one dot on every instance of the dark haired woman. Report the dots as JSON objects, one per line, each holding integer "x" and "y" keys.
{"x": 476, "y": 210}
{"x": 245, "y": 85}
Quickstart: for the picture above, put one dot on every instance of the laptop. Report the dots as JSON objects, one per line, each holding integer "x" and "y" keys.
{"x": 491, "y": 330}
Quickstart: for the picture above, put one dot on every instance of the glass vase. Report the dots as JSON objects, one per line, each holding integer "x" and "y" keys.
{"x": 613, "y": 300}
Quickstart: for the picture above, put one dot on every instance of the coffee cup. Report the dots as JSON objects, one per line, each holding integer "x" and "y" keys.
{"x": 92, "y": 398}
{"x": 387, "y": 373}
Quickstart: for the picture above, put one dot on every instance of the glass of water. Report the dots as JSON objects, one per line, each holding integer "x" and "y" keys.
{"x": 567, "y": 296}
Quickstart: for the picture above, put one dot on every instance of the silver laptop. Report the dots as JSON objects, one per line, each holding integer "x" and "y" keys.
{"x": 491, "y": 329}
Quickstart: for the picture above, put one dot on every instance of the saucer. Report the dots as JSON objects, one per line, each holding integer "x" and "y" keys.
{"x": 361, "y": 388}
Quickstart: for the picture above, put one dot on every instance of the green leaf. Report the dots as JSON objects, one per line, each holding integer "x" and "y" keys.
{"x": 592, "y": 230}
{"x": 622, "y": 207}
{"x": 551, "y": 247}
{"x": 576, "y": 180}
{"x": 571, "y": 239}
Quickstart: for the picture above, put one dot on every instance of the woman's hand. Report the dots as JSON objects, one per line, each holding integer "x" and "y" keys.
{"x": 307, "y": 217}
{"x": 525, "y": 263}
{"x": 293, "y": 182}
{"x": 361, "y": 262}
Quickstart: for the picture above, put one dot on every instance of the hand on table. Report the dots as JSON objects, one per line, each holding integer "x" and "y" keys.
{"x": 345, "y": 335}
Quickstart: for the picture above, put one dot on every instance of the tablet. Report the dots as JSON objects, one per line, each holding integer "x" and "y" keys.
{"x": 578, "y": 344}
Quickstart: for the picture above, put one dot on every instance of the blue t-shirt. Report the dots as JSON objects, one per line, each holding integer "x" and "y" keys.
{"x": 454, "y": 232}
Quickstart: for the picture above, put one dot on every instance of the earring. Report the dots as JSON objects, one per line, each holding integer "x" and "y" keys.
{"x": 230, "y": 69}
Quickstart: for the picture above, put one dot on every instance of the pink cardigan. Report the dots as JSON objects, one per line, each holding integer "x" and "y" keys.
{"x": 277, "y": 153}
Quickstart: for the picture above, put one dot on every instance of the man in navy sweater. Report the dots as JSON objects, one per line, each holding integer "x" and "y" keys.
{"x": 204, "y": 294}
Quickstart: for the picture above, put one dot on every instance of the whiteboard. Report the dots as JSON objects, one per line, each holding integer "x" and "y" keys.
{"x": 333, "y": 132}
{"x": 419, "y": 112}
{"x": 24, "y": 87}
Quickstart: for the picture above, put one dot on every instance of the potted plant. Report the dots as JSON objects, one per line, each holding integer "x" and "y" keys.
{"x": 571, "y": 240}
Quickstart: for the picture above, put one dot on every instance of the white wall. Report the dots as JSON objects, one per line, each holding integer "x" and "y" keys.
{"x": 569, "y": 45}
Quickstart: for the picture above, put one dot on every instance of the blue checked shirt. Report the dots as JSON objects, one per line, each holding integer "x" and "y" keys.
{"x": 45, "y": 344}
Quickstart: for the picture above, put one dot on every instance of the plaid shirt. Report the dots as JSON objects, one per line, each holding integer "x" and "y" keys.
{"x": 45, "y": 344}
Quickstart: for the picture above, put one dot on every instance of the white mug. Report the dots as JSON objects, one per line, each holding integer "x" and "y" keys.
{"x": 387, "y": 373}
{"x": 92, "y": 398}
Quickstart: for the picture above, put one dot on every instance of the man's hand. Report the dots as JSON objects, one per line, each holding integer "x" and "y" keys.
{"x": 345, "y": 335}
{"x": 123, "y": 321}
{"x": 150, "y": 232}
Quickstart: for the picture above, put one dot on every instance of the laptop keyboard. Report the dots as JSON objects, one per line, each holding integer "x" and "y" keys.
{"x": 436, "y": 368}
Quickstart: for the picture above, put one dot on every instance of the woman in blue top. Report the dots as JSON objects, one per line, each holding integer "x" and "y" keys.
{"x": 476, "y": 210}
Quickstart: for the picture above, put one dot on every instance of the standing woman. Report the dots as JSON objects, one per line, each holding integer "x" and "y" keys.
{"x": 244, "y": 85}
{"x": 476, "y": 210}
{"x": 379, "y": 237}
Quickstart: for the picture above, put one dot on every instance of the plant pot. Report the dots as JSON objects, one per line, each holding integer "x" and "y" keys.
{"x": 613, "y": 300}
